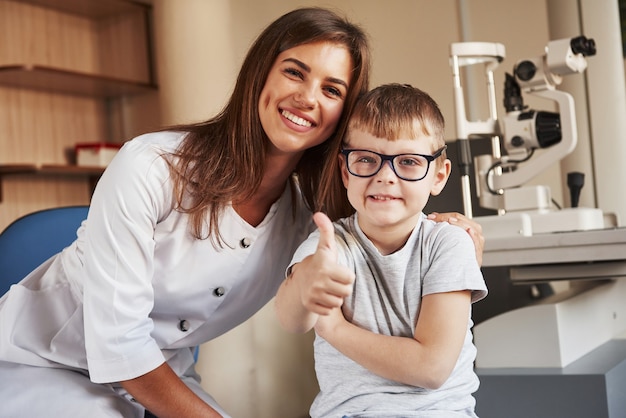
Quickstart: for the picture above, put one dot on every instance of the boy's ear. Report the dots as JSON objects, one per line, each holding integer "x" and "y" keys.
{"x": 344, "y": 170}
{"x": 441, "y": 177}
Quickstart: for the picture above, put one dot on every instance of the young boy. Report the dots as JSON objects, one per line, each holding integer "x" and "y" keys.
{"x": 388, "y": 291}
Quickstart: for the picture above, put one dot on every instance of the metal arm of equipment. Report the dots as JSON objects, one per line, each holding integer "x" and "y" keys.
{"x": 569, "y": 137}
{"x": 522, "y": 130}
{"x": 466, "y": 54}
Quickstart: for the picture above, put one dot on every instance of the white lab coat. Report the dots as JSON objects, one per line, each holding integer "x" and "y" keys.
{"x": 135, "y": 289}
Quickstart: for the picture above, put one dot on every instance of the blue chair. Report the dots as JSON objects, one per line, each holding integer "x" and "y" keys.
{"x": 32, "y": 239}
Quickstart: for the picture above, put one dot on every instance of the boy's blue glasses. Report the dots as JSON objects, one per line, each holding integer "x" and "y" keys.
{"x": 409, "y": 167}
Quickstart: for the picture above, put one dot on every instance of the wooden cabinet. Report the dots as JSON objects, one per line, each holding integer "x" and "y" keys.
{"x": 69, "y": 70}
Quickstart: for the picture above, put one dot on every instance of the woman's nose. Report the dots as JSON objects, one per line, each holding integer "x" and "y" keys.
{"x": 305, "y": 97}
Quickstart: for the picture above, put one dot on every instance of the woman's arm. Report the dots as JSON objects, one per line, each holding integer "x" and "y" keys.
{"x": 316, "y": 285}
{"x": 163, "y": 393}
{"x": 425, "y": 360}
{"x": 118, "y": 258}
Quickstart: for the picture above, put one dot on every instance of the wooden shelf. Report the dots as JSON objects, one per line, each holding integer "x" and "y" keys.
{"x": 93, "y": 173}
{"x": 77, "y": 55}
{"x": 60, "y": 169}
{"x": 69, "y": 82}
{"x": 93, "y": 9}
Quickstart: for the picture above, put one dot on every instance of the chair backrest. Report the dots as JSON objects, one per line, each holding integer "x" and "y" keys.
{"x": 32, "y": 239}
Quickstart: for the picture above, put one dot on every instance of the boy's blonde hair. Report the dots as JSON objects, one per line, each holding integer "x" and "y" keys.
{"x": 394, "y": 111}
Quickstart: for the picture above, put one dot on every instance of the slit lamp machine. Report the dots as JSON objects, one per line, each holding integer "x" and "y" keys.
{"x": 538, "y": 242}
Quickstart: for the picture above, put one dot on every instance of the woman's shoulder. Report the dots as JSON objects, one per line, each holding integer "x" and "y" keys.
{"x": 141, "y": 165}
{"x": 147, "y": 151}
{"x": 167, "y": 141}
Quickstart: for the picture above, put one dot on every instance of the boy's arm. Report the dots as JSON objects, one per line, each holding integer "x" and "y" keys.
{"x": 425, "y": 360}
{"x": 315, "y": 285}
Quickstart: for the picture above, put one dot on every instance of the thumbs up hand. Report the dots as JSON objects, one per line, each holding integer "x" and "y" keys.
{"x": 324, "y": 283}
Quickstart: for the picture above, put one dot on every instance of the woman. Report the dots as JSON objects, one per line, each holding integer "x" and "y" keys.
{"x": 188, "y": 235}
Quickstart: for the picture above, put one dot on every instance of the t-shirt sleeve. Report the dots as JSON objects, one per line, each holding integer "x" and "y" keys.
{"x": 305, "y": 249}
{"x": 453, "y": 265}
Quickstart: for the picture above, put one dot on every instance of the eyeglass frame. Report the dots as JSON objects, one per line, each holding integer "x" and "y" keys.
{"x": 385, "y": 157}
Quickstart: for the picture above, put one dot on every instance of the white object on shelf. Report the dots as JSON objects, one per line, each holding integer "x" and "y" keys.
{"x": 95, "y": 154}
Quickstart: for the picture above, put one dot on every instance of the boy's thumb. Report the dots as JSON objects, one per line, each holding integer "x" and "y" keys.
{"x": 327, "y": 232}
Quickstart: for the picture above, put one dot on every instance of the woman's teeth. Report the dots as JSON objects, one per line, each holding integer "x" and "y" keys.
{"x": 296, "y": 119}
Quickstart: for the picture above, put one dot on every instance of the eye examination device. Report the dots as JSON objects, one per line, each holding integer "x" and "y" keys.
{"x": 533, "y": 139}
{"x": 536, "y": 238}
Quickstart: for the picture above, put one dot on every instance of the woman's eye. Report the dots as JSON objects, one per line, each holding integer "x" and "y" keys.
{"x": 333, "y": 91}
{"x": 293, "y": 72}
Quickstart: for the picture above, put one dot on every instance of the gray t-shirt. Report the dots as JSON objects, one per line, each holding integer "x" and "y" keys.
{"x": 386, "y": 299}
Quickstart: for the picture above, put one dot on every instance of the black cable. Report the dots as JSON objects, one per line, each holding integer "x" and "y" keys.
{"x": 501, "y": 163}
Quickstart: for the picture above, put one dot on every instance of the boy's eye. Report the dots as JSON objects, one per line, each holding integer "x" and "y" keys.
{"x": 410, "y": 161}
{"x": 366, "y": 159}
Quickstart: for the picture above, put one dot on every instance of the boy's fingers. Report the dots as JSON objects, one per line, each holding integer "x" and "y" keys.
{"x": 327, "y": 232}
{"x": 326, "y": 254}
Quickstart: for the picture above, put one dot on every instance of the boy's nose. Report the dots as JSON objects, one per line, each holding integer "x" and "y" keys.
{"x": 386, "y": 172}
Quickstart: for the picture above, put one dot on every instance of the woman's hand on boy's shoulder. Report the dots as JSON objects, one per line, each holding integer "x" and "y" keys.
{"x": 473, "y": 228}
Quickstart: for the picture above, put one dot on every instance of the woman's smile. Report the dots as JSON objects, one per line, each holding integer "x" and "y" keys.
{"x": 297, "y": 120}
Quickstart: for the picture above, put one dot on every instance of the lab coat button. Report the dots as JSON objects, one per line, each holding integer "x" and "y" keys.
{"x": 219, "y": 292}
{"x": 183, "y": 325}
{"x": 245, "y": 242}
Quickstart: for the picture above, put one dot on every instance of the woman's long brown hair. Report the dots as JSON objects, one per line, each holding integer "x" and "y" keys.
{"x": 222, "y": 159}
